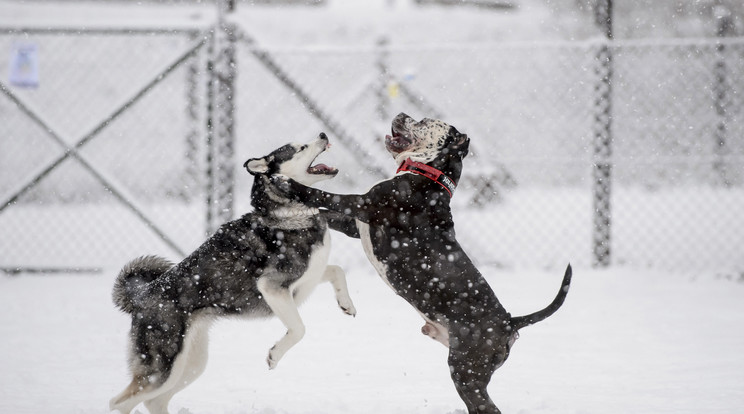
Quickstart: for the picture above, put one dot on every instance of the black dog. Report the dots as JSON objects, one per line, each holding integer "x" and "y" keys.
{"x": 407, "y": 231}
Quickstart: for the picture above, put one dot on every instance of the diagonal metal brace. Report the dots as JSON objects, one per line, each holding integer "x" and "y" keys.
{"x": 72, "y": 151}
{"x": 312, "y": 107}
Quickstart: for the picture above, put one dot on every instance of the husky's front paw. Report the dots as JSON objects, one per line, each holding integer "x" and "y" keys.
{"x": 270, "y": 360}
{"x": 347, "y": 307}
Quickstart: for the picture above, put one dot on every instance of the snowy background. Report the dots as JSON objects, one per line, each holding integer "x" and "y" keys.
{"x": 660, "y": 331}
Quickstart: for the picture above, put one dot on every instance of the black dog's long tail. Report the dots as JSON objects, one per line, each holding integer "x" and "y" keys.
{"x": 130, "y": 283}
{"x": 522, "y": 321}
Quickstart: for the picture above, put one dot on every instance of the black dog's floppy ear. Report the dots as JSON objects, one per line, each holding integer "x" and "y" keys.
{"x": 462, "y": 141}
{"x": 459, "y": 142}
{"x": 257, "y": 166}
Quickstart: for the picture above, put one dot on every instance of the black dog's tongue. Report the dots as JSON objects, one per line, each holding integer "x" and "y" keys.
{"x": 397, "y": 141}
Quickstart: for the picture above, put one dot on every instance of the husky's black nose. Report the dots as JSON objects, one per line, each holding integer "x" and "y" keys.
{"x": 323, "y": 136}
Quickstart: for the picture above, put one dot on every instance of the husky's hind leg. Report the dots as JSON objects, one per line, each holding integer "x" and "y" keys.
{"x": 126, "y": 401}
{"x": 188, "y": 366}
{"x": 156, "y": 344}
{"x": 337, "y": 277}
{"x": 142, "y": 388}
{"x": 134, "y": 394}
{"x": 282, "y": 303}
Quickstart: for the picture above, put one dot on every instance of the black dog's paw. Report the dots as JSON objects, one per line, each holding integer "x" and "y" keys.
{"x": 287, "y": 187}
{"x": 281, "y": 183}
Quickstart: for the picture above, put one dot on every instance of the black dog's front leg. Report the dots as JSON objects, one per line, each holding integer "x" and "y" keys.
{"x": 352, "y": 205}
{"x": 341, "y": 223}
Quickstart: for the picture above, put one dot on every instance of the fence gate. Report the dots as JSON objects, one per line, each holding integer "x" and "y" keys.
{"x": 98, "y": 161}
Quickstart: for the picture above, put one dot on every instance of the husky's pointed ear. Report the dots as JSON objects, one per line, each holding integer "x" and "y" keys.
{"x": 257, "y": 166}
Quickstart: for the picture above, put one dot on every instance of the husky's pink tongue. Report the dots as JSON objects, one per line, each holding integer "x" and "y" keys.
{"x": 321, "y": 169}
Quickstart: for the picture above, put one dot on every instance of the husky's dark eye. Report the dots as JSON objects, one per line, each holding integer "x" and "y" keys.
{"x": 303, "y": 148}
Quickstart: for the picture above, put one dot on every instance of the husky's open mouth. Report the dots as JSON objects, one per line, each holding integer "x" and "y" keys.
{"x": 321, "y": 169}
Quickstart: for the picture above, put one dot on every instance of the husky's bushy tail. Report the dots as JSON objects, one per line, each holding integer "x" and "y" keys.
{"x": 133, "y": 277}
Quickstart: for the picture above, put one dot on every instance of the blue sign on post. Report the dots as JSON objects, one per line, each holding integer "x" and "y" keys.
{"x": 24, "y": 66}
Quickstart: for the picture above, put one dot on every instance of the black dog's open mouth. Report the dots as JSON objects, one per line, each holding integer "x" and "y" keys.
{"x": 397, "y": 142}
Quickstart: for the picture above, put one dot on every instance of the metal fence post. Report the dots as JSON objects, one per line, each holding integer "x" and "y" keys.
{"x": 190, "y": 181}
{"x": 721, "y": 91}
{"x": 383, "y": 79}
{"x": 220, "y": 120}
{"x": 602, "y": 170}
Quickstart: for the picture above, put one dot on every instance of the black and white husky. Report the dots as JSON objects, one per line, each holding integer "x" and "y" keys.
{"x": 264, "y": 263}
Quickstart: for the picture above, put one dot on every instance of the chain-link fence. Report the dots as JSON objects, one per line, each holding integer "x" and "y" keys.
{"x": 101, "y": 137}
{"x": 533, "y": 114}
{"x": 673, "y": 143}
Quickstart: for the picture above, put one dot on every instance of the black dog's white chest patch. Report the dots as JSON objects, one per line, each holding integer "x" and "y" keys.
{"x": 382, "y": 268}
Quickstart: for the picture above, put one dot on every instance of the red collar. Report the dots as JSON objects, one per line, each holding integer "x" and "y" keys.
{"x": 429, "y": 172}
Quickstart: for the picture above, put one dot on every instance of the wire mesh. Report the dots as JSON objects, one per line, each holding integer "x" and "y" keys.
{"x": 525, "y": 199}
{"x": 531, "y": 111}
{"x": 97, "y": 160}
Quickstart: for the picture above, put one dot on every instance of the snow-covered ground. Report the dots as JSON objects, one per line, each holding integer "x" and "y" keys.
{"x": 625, "y": 341}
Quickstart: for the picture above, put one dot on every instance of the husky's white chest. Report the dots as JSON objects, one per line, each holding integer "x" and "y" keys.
{"x": 316, "y": 265}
